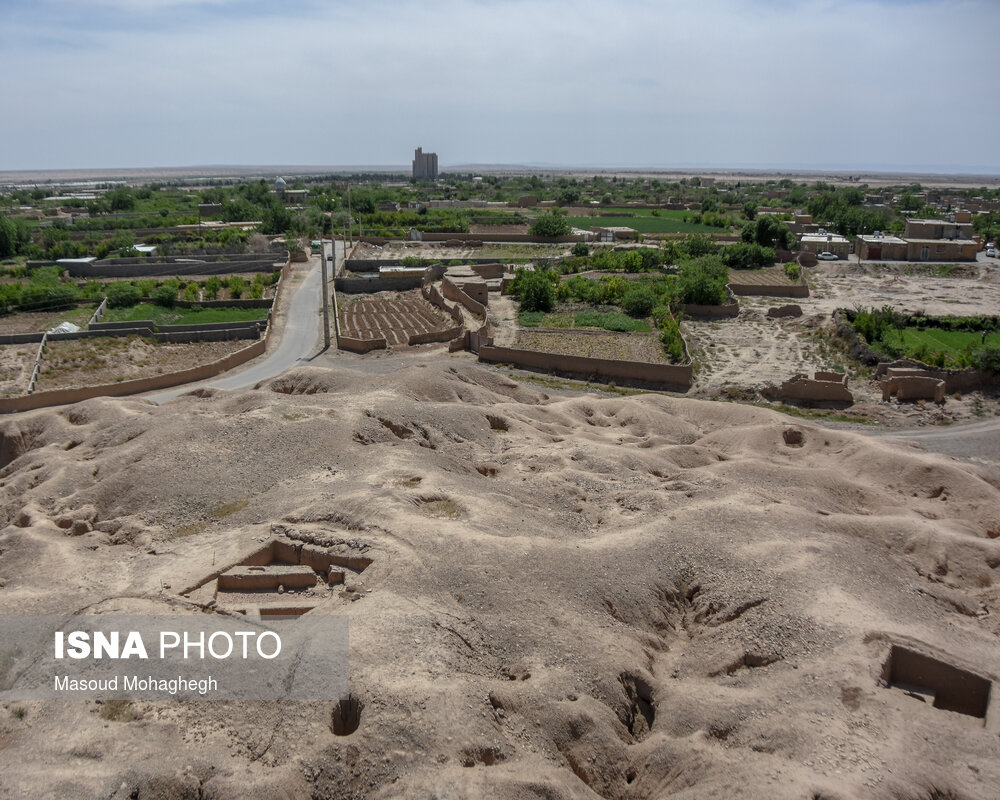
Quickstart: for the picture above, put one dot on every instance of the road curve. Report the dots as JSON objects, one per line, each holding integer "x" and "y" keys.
{"x": 976, "y": 441}
{"x": 301, "y": 339}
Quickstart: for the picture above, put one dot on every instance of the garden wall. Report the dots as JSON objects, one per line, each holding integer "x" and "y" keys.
{"x": 360, "y": 345}
{"x": 730, "y": 309}
{"x": 436, "y": 336}
{"x": 172, "y": 265}
{"x": 771, "y": 290}
{"x": 370, "y": 285}
{"x": 60, "y": 397}
{"x": 661, "y": 375}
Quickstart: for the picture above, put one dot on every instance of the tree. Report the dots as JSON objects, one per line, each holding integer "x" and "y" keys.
{"x": 768, "y": 231}
{"x": 580, "y": 250}
{"x": 535, "y": 290}
{"x": 702, "y": 281}
{"x": 551, "y": 224}
{"x": 743, "y": 255}
{"x": 750, "y": 210}
{"x": 8, "y": 238}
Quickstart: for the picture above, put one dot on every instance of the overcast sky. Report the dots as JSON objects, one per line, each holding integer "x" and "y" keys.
{"x": 838, "y": 84}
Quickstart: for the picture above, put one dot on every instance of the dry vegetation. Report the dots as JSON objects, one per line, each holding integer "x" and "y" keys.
{"x": 90, "y": 362}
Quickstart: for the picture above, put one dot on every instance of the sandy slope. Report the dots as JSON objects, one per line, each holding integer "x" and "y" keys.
{"x": 575, "y": 597}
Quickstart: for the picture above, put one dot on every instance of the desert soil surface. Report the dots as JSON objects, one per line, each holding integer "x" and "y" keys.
{"x": 568, "y": 596}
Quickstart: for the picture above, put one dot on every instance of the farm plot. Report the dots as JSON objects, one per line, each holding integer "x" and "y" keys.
{"x": 16, "y": 363}
{"x": 772, "y": 276}
{"x": 394, "y": 319}
{"x": 644, "y": 347}
{"x": 92, "y": 362}
{"x": 38, "y": 321}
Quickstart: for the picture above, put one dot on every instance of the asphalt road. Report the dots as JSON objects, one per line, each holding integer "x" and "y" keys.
{"x": 301, "y": 340}
{"x": 978, "y": 442}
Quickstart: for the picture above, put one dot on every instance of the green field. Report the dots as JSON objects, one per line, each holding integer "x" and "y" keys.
{"x": 183, "y": 316}
{"x": 941, "y": 341}
{"x": 609, "y": 321}
{"x": 645, "y": 224}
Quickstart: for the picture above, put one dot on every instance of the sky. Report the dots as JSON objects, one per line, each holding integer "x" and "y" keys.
{"x": 797, "y": 84}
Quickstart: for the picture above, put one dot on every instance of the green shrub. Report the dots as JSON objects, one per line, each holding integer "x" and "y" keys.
{"x": 237, "y": 286}
{"x": 191, "y": 291}
{"x": 987, "y": 359}
{"x": 165, "y": 295}
{"x": 793, "y": 271}
{"x": 581, "y": 250}
{"x": 122, "y": 294}
{"x": 213, "y": 286}
{"x": 638, "y": 301}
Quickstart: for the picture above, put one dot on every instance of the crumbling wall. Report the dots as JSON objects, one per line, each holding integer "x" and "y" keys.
{"x": 913, "y": 387}
{"x": 770, "y": 290}
{"x": 453, "y": 292}
{"x": 435, "y": 336}
{"x": 784, "y": 311}
{"x": 824, "y": 387}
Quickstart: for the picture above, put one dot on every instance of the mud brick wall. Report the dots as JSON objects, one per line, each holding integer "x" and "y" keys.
{"x": 666, "y": 375}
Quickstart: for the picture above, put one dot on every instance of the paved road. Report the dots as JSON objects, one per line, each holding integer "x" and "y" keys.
{"x": 975, "y": 441}
{"x": 301, "y": 339}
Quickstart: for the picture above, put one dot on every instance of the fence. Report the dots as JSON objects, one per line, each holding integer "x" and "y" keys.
{"x": 38, "y": 365}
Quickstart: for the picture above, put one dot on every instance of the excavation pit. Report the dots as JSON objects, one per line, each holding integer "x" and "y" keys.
{"x": 272, "y": 582}
{"x": 937, "y": 683}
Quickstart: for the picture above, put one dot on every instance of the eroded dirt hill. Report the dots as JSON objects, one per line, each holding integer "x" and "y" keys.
{"x": 637, "y": 597}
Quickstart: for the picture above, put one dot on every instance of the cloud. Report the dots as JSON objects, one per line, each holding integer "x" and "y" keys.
{"x": 793, "y": 82}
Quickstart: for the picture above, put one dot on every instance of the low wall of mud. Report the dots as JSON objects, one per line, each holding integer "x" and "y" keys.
{"x": 60, "y": 397}
{"x": 453, "y": 292}
{"x": 769, "y": 290}
{"x": 360, "y": 345}
{"x": 673, "y": 376}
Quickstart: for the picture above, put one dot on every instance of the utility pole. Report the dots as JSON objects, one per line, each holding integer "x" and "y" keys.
{"x": 326, "y": 284}
{"x": 350, "y": 219}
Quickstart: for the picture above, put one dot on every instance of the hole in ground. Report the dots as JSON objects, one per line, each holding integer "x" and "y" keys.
{"x": 936, "y": 682}
{"x": 640, "y": 713}
{"x": 346, "y": 716}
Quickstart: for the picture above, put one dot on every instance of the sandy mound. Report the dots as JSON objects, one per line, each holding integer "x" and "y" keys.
{"x": 569, "y": 597}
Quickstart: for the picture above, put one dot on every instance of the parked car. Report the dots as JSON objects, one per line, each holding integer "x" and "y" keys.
{"x": 991, "y": 253}
{"x": 826, "y": 255}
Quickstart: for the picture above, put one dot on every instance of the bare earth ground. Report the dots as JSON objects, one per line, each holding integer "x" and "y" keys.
{"x": 16, "y": 364}
{"x": 90, "y": 362}
{"x": 394, "y": 316}
{"x": 626, "y": 598}
{"x": 38, "y": 321}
